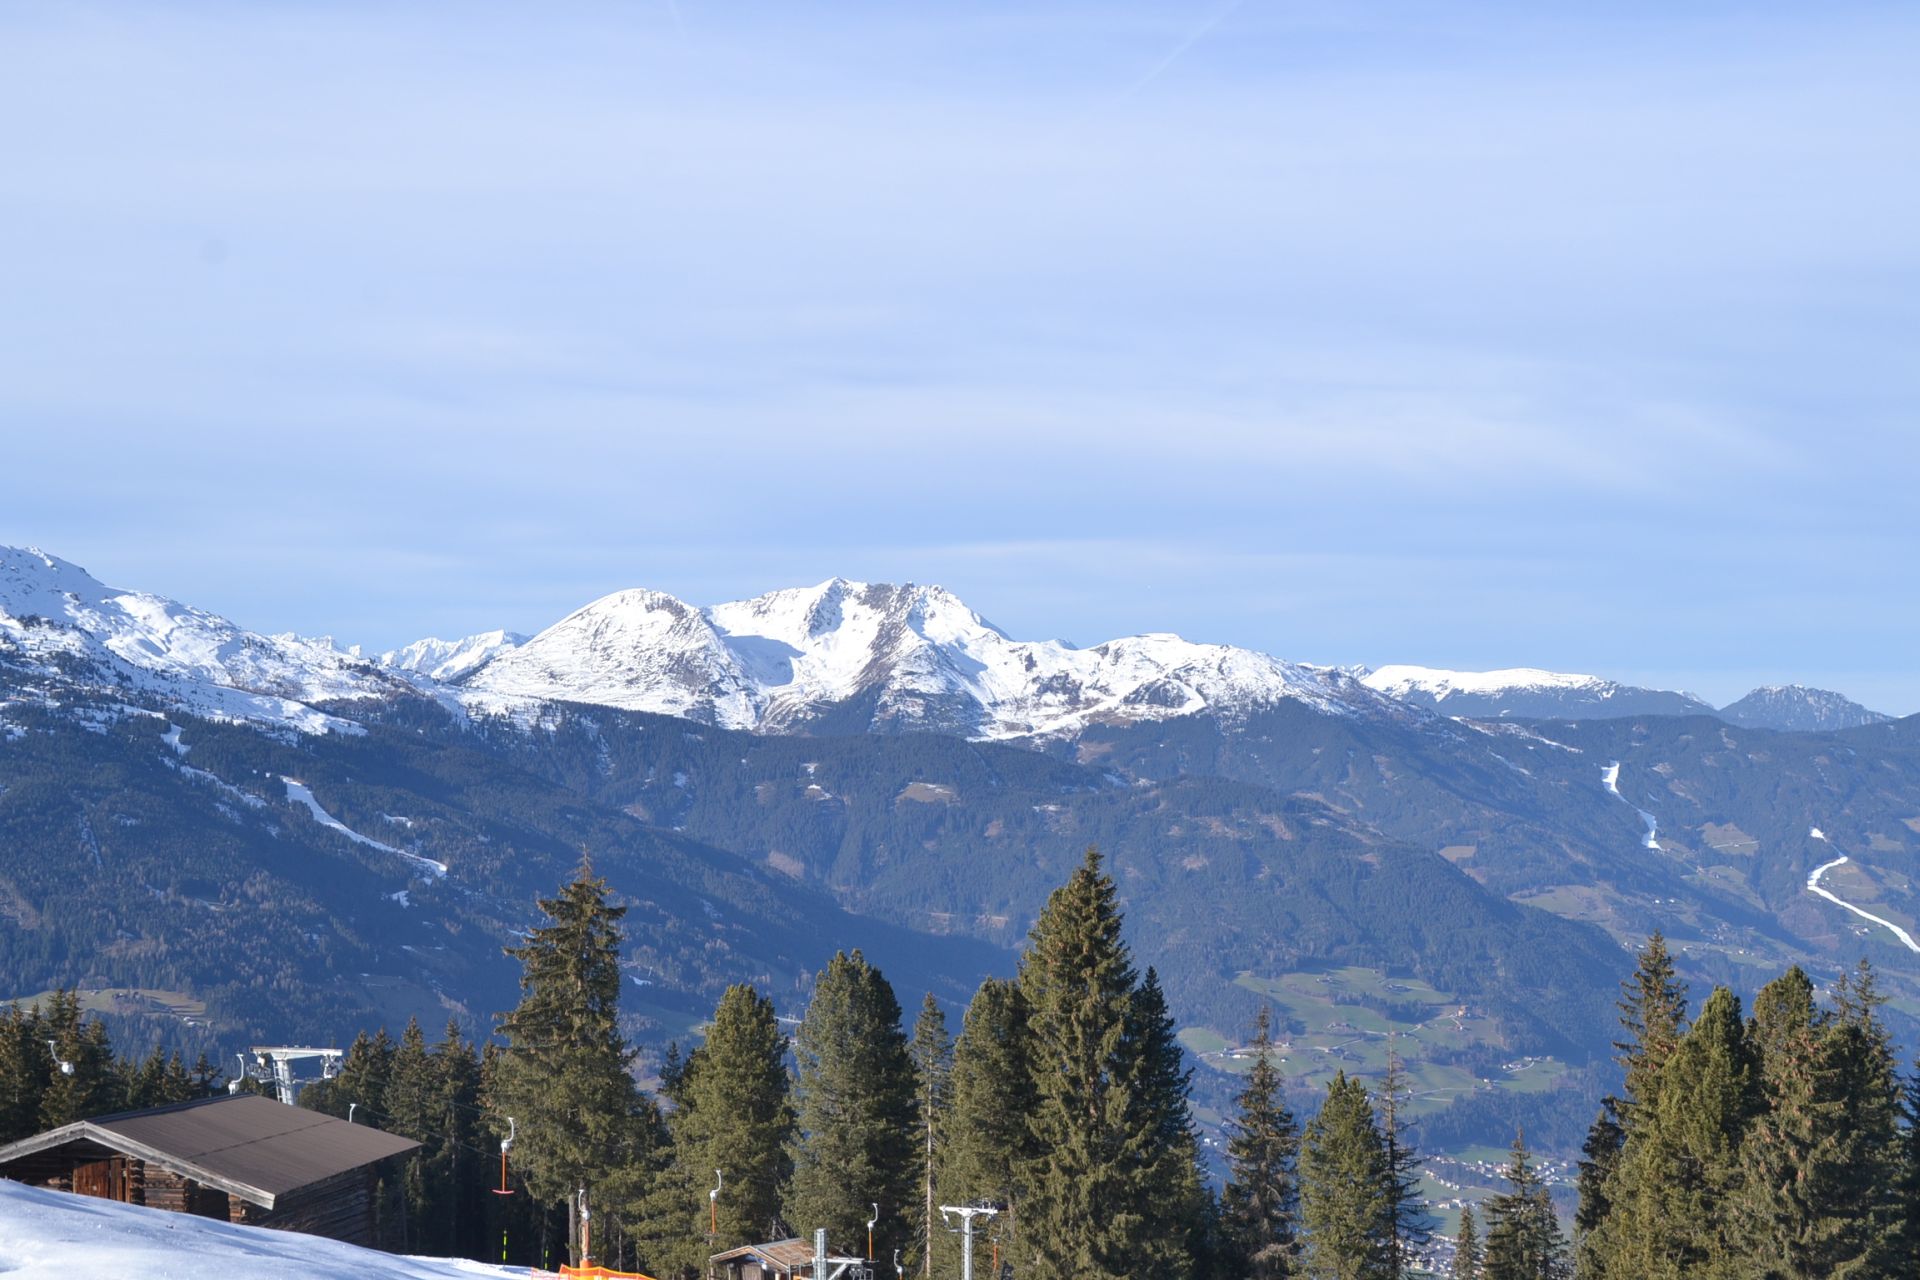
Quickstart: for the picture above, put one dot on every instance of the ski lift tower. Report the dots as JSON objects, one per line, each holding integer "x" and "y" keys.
{"x": 967, "y": 1213}
{"x": 831, "y": 1266}
{"x": 276, "y": 1064}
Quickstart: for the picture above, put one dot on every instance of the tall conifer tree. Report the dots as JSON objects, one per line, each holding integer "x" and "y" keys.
{"x": 1412, "y": 1226}
{"x": 987, "y": 1144}
{"x": 734, "y": 1116}
{"x": 411, "y": 1106}
{"x": 1103, "y": 1087}
{"x": 1178, "y": 1213}
{"x": 1524, "y": 1240}
{"x": 1672, "y": 1194}
{"x": 564, "y": 1074}
{"x": 932, "y": 1053}
{"x": 1653, "y": 1015}
{"x": 24, "y": 1065}
{"x": 1599, "y": 1165}
{"x": 1466, "y": 1247}
{"x": 1260, "y": 1206}
{"x": 456, "y": 1161}
{"x": 1344, "y": 1203}
{"x": 854, "y": 1096}
{"x": 87, "y": 1085}
{"x": 1869, "y": 1128}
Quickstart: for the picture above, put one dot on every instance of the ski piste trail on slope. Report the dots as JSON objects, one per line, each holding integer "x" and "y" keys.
{"x": 1813, "y": 883}
{"x": 1610, "y": 778}
{"x": 298, "y": 793}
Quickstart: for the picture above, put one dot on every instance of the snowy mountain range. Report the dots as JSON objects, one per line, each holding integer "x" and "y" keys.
{"x": 1529, "y": 693}
{"x": 62, "y": 629}
{"x": 873, "y": 656}
{"x": 837, "y": 657}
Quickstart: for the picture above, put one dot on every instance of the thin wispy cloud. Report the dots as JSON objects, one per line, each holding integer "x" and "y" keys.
{"x": 1475, "y": 335}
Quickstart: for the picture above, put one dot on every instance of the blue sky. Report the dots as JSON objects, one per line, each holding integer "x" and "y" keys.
{"x": 1473, "y": 335}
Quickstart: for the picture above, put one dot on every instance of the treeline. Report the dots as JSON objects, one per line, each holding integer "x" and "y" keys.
{"x": 57, "y": 1066}
{"x": 1781, "y": 1145}
{"x": 1062, "y": 1103}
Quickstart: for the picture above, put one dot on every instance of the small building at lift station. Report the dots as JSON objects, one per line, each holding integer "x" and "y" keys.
{"x": 237, "y": 1157}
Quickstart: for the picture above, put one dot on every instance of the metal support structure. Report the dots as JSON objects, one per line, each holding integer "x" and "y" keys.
{"x": 822, "y": 1260}
{"x": 275, "y": 1063}
{"x": 967, "y": 1212}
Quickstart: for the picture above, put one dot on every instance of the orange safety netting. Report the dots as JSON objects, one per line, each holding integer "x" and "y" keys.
{"x": 600, "y": 1273}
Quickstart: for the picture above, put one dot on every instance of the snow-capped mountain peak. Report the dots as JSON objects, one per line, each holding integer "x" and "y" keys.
{"x": 58, "y": 622}
{"x": 858, "y": 655}
{"x": 637, "y": 649}
{"x": 451, "y": 659}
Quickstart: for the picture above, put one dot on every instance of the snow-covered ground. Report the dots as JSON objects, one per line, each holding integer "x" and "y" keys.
{"x": 51, "y": 1235}
{"x": 300, "y": 793}
{"x": 1813, "y": 885}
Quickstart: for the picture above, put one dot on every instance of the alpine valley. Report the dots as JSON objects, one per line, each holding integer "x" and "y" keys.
{"x": 225, "y": 837}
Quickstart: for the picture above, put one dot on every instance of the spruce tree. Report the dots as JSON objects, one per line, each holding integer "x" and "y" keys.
{"x": 1653, "y": 1014}
{"x": 1466, "y": 1247}
{"x": 988, "y": 1144}
{"x": 1412, "y": 1226}
{"x": 459, "y": 1163}
{"x": 1524, "y": 1241}
{"x": 1910, "y": 1166}
{"x": 932, "y": 1053}
{"x": 1599, "y": 1166}
{"x": 1344, "y": 1202}
{"x": 734, "y": 1115}
{"x": 81, "y": 1081}
{"x": 24, "y": 1066}
{"x": 1095, "y": 1120}
{"x": 1260, "y": 1205}
{"x": 1679, "y": 1169}
{"x": 1653, "y": 1017}
{"x": 411, "y": 1107}
{"x": 1869, "y": 1158}
{"x": 1178, "y": 1214}
{"x": 1787, "y": 1176}
{"x": 360, "y": 1086}
{"x": 1820, "y": 1167}
{"x": 854, "y": 1103}
{"x": 1782, "y": 1009}
{"x": 564, "y": 1073}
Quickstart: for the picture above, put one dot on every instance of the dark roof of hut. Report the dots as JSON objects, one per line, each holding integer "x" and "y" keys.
{"x": 244, "y": 1144}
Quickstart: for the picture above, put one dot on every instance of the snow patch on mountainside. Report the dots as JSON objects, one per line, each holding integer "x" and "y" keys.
{"x": 299, "y": 793}
{"x": 1610, "y": 779}
{"x": 1814, "y": 886}
{"x": 904, "y": 657}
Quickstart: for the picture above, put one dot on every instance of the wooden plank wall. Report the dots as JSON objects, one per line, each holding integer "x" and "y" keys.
{"x": 340, "y": 1208}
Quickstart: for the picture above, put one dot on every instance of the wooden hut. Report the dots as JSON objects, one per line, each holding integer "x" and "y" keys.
{"x": 239, "y": 1157}
{"x": 778, "y": 1260}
